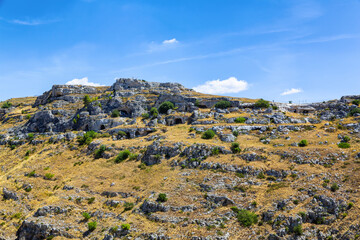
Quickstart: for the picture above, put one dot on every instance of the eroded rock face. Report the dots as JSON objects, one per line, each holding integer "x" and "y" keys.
{"x": 31, "y": 229}
{"x": 149, "y": 207}
{"x": 9, "y": 195}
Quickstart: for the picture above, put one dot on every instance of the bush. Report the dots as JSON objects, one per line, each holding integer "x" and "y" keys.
{"x": 49, "y": 176}
{"x": 86, "y": 216}
{"x": 31, "y": 174}
{"x": 344, "y": 145}
{"x": 235, "y": 147}
{"x": 235, "y": 133}
{"x": 87, "y": 100}
{"x": 208, "y": 134}
{"x": 298, "y": 230}
{"x": 162, "y": 197}
{"x": 125, "y": 226}
{"x": 123, "y": 155}
{"x": 154, "y": 112}
{"x": 346, "y": 139}
{"x": 115, "y": 114}
{"x": 215, "y": 151}
{"x": 223, "y": 104}
{"x": 303, "y": 143}
{"x": 30, "y": 137}
{"x": 240, "y": 120}
{"x": 356, "y": 102}
{"x": 121, "y": 133}
{"x": 145, "y": 115}
{"x": 334, "y": 187}
{"x": 91, "y": 200}
{"x": 261, "y": 103}
{"x": 165, "y": 106}
{"x": 6, "y": 104}
{"x": 354, "y": 111}
{"x": 92, "y": 226}
{"x": 128, "y": 206}
{"x": 87, "y": 138}
{"x": 100, "y": 151}
{"x": 245, "y": 217}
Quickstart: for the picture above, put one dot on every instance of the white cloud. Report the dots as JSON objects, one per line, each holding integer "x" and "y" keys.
{"x": 291, "y": 91}
{"x": 32, "y": 22}
{"x": 83, "y": 81}
{"x": 170, "y": 41}
{"x": 230, "y": 85}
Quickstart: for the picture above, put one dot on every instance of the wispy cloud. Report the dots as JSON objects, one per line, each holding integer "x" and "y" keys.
{"x": 170, "y": 41}
{"x": 327, "y": 39}
{"x": 291, "y": 91}
{"x": 32, "y": 22}
{"x": 83, "y": 81}
{"x": 230, "y": 85}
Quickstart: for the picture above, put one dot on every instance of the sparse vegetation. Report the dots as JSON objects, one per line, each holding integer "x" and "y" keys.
{"x": 122, "y": 156}
{"x": 261, "y": 103}
{"x": 223, "y": 104}
{"x": 162, "y": 197}
{"x": 87, "y": 138}
{"x": 100, "y": 151}
{"x": 49, "y": 176}
{"x": 208, "y": 134}
{"x": 165, "y": 106}
{"x": 245, "y": 217}
{"x": 6, "y": 104}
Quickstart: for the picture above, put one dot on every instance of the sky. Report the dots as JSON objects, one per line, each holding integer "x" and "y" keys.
{"x": 281, "y": 50}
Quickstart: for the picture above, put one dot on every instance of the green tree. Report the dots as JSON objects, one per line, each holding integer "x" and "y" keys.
{"x": 261, "y": 103}
{"x": 165, "y": 106}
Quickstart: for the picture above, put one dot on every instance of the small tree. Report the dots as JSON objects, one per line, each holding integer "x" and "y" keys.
{"x": 92, "y": 226}
{"x": 223, "y": 104}
{"x": 125, "y": 226}
{"x": 87, "y": 100}
{"x": 162, "y": 197}
{"x": 261, "y": 103}
{"x": 122, "y": 156}
{"x": 240, "y": 120}
{"x": 115, "y": 114}
{"x": 235, "y": 147}
{"x": 154, "y": 112}
{"x": 298, "y": 230}
{"x": 6, "y": 104}
{"x": 165, "y": 106}
{"x": 86, "y": 216}
{"x": 208, "y": 134}
{"x": 303, "y": 143}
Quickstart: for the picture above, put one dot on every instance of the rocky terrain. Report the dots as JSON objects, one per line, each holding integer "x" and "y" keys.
{"x": 145, "y": 160}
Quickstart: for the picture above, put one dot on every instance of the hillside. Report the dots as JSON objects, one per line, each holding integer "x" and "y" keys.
{"x": 145, "y": 160}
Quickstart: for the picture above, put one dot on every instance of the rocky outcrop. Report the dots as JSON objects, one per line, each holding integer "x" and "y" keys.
{"x": 9, "y": 195}
{"x": 32, "y": 229}
{"x": 150, "y": 207}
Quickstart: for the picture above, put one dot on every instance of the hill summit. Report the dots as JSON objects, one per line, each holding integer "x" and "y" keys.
{"x": 147, "y": 160}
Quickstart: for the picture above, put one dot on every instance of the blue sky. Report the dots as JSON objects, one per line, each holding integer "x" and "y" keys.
{"x": 299, "y": 50}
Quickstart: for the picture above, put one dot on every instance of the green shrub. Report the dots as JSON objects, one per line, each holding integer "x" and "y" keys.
{"x": 261, "y": 175}
{"x": 145, "y": 115}
{"x": 122, "y": 156}
{"x": 100, "y": 151}
{"x": 303, "y": 143}
{"x": 115, "y": 114}
{"x": 87, "y": 100}
{"x": 354, "y": 111}
{"x": 215, "y": 151}
{"x": 165, "y": 106}
{"x": 235, "y": 147}
{"x": 261, "y": 103}
{"x": 350, "y": 205}
{"x": 30, "y": 137}
{"x": 121, "y": 133}
{"x": 49, "y": 176}
{"x": 245, "y": 217}
{"x": 334, "y": 187}
{"x": 91, "y": 200}
{"x": 235, "y": 133}
{"x": 208, "y": 134}
{"x": 6, "y": 104}
{"x": 92, "y": 226}
{"x": 298, "y": 230}
{"x": 240, "y": 120}
{"x": 31, "y": 174}
{"x": 162, "y": 197}
{"x": 87, "y": 138}
{"x": 346, "y": 139}
{"x": 356, "y": 102}
{"x": 344, "y": 145}
{"x": 86, "y": 216}
{"x": 223, "y": 104}
{"x": 125, "y": 226}
{"x": 128, "y": 206}
{"x": 154, "y": 112}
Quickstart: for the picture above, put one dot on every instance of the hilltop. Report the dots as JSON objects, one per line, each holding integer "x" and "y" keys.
{"x": 146, "y": 160}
